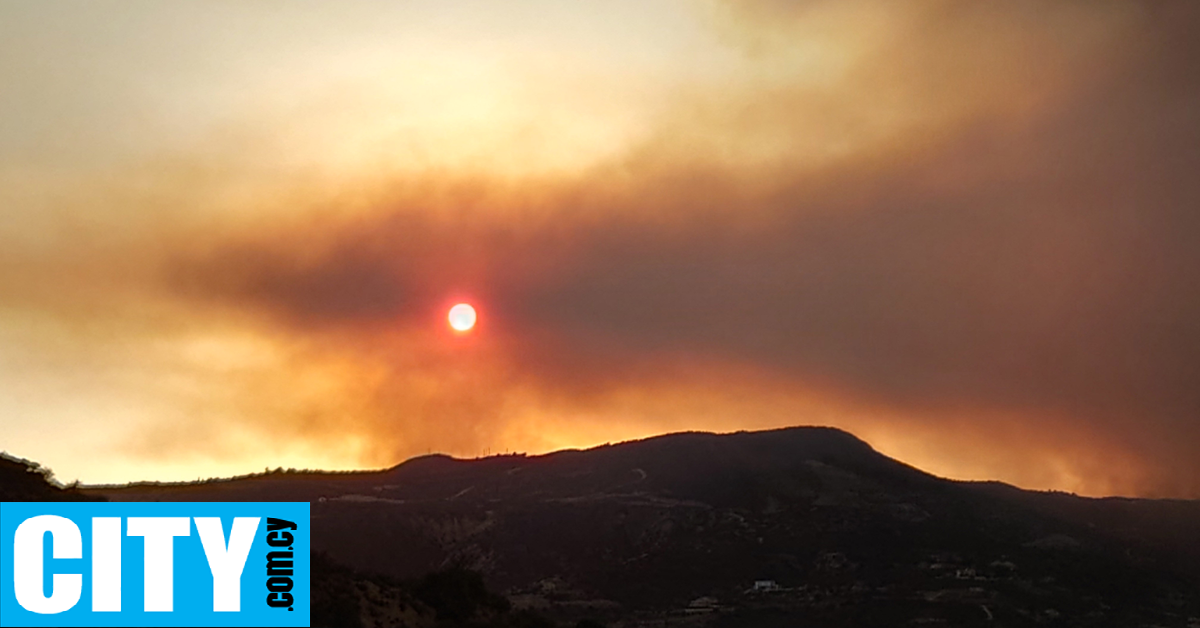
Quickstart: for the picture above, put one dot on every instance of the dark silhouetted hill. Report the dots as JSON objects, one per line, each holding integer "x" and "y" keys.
{"x": 800, "y": 526}
{"x": 26, "y": 481}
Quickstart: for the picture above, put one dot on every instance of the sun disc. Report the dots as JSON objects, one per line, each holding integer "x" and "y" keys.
{"x": 462, "y": 317}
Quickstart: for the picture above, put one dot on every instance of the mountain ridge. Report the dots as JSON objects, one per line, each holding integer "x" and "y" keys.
{"x": 638, "y": 531}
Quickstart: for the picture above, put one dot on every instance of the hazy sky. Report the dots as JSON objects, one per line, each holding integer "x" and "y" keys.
{"x": 967, "y": 232}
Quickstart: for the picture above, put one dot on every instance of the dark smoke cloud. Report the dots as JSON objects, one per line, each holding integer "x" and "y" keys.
{"x": 1043, "y": 262}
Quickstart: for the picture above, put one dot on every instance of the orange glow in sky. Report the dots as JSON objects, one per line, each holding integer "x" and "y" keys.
{"x": 962, "y": 231}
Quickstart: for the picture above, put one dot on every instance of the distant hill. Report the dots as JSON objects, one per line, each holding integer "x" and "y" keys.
{"x": 26, "y": 481}
{"x": 799, "y": 526}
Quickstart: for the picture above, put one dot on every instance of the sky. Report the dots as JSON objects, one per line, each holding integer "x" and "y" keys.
{"x": 965, "y": 232}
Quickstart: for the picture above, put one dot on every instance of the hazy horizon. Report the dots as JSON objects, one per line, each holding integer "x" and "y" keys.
{"x": 53, "y": 476}
{"x": 483, "y": 456}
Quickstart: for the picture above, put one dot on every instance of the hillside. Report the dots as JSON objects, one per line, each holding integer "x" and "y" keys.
{"x": 680, "y": 528}
{"x": 26, "y": 481}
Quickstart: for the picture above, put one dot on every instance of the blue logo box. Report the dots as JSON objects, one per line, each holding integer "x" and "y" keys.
{"x": 154, "y": 564}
